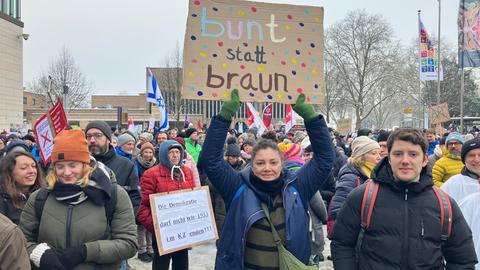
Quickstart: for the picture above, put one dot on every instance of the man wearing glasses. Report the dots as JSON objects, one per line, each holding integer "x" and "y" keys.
{"x": 99, "y": 136}
{"x": 450, "y": 163}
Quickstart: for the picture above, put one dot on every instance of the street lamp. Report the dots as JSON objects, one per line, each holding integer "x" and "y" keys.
{"x": 65, "y": 99}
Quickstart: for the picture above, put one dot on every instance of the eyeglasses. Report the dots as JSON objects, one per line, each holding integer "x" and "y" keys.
{"x": 95, "y": 135}
{"x": 453, "y": 143}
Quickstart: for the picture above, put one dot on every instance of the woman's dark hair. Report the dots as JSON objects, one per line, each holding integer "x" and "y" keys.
{"x": 263, "y": 144}
{"x": 7, "y": 183}
{"x": 270, "y": 135}
{"x": 412, "y": 135}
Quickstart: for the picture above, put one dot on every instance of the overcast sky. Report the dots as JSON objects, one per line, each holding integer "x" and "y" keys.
{"x": 113, "y": 41}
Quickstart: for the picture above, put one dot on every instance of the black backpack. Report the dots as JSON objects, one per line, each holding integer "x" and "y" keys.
{"x": 43, "y": 193}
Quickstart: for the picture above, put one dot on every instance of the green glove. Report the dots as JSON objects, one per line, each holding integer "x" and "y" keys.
{"x": 230, "y": 108}
{"x": 306, "y": 111}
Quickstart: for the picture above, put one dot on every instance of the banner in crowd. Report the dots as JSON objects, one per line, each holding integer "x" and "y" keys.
{"x": 468, "y": 33}
{"x": 344, "y": 125}
{"x": 47, "y": 127}
{"x": 270, "y": 52}
{"x": 154, "y": 95}
{"x": 254, "y": 120}
{"x": 428, "y": 56}
{"x": 183, "y": 219}
{"x": 267, "y": 115}
{"x": 439, "y": 114}
{"x": 291, "y": 118}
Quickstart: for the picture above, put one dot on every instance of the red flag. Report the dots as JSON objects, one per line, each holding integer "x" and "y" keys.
{"x": 200, "y": 124}
{"x": 288, "y": 118}
{"x": 267, "y": 115}
{"x": 251, "y": 117}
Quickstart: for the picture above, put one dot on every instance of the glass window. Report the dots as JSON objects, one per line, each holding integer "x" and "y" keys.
{"x": 34, "y": 101}
{"x": 24, "y": 100}
{"x": 7, "y": 7}
{"x": 1, "y": 5}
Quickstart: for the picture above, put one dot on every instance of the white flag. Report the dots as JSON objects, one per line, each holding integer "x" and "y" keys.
{"x": 292, "y": 118}
{"x": 257, "y": 121}
{"x": 155, "y": 96}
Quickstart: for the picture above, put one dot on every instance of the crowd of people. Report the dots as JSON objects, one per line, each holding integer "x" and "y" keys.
{"x": 404, "y": 199}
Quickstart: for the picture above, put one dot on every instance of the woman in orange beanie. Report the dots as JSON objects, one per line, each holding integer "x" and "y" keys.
{"x": 81, "y": 219}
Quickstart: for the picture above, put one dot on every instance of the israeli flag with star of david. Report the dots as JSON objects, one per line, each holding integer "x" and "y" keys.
{"x": 155, "y": 96}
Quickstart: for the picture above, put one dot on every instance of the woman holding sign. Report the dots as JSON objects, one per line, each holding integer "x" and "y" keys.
{"x": 265, "y": 194}
{"x": 81, "y": 220}
{"x": 169, "y": 175}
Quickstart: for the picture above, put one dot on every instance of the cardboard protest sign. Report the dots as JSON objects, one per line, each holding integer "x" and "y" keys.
{"x": 270, "y": 52}
{"x": 439, "y": 114}
{"x": 344, "y": 125}
{"x": 183, "y": 219}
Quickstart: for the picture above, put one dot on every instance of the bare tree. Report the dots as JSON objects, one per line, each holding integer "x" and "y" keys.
{"x": 65, "y": 76}
{"x": 366, "y": 55}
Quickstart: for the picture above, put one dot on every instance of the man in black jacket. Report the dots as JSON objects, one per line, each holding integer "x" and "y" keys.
{"x": 405, "y": 229}
{"x": 99, "y": 135}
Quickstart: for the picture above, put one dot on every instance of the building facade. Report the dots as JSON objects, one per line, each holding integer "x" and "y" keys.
{"x": 11, "y": 64}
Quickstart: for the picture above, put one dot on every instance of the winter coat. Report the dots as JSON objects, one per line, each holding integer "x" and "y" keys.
{"x": 328, "y": 189}
{"x": 404, "y": 230}
{"x": 158, "y": 180}
{"x": 445, "y": 168}
{"x": 193, "y": 149}
{"x": 461, "y": 185}
{"x": 8, "y": 209}
{"x": 243, "y": 200}
{"x": 469, "y": 207}
{"x": 437, "y": 154}
{"x": 125, "y": 174}
{"x": 349, "y": 178}
{"x": 13, "y": 253}
{"x": 192, "y": 165}
{"x": 431, "y": 147}
{"x": 68, "y": 226}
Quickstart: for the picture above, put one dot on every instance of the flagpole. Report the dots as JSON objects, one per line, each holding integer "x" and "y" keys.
{"x": 462, "y": 74}
{"x": 438, "y": 53}
{"x": 419, "y": 70}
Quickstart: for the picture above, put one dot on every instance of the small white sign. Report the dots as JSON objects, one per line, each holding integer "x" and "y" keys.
{"x": 183, "y": 219}
{"x": 151, "y": 123}
{"x": 44, "y": 136}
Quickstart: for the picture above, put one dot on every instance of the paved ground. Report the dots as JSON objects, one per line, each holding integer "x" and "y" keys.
{"x": 203, "y": 258}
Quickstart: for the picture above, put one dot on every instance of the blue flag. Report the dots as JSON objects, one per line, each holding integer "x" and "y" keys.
{"x": 155, "y": 96}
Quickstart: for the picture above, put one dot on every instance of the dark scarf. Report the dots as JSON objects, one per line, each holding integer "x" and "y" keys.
{"x": 98, "y": 190}
{"x": 107, "y": 156}
{"x": 272, "y": 188}
{"x": 469, "y": 173}
{"x": 146, "y": 164}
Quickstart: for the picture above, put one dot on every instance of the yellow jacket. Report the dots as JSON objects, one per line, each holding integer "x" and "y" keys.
{"x": 446, "y": 167}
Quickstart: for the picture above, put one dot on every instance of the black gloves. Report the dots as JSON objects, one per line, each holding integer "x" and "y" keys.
{"x": 71, "y": 257}
{"x": 50, "y": 261}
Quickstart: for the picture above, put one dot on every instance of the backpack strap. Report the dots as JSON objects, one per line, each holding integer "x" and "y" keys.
{"x": 368, "y": 201}
{"x": 111, "y": 205}
{"x": 40, "y": 200}
{"x": 445, "y": 213}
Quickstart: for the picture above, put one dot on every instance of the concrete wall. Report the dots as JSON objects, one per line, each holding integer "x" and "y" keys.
{"x": 11, "y": 74}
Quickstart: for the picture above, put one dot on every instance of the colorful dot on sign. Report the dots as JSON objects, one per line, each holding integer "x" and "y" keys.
{"x": 314, "y": 30}
{"x": 205, "y": 47}
{"x": 314, "y": 71}
{"x": 242, "y": 66}
{"x": 226, "y": 94}
{"x": 299, "y": 39}
{"x": 289, "y": 17}
{"x": 314, "y": 97}
{"x": 280, "y": 96}
{"x": 193, "y": 37}
{"x": 215, "y": 9}
{"x": 199, "y": 93}
{"x": 309, "y": 99}
{"x": 214, "y": 94}
{"x": 245, "y": 44}
{"x": 261, "y": 68}
{"x": 220, "y": 43}
{"x": 297, "y": 52}
{"x": 285, "y": 52}
{"x": 214, "y": 55}
{"x": 308, "y": 78}
{"x": 194, "y": 15}
{"x": 301, "y": 24}
{"x": 294, "y": 60}
{"x": 309, "y": 53}
{"x": 230, "y": 9}
{"x": 269, "y": 97}
{"x": 294, "y": 72}
{"x": 194, "y": 61}
{"x": 196, "y": 3}
{"x": 191, "y": 74}
{"x": 316, "y": 86}
{"x": 241, "y": 13}
{"x": 191, "y": 88}
{"x": 283, "y": 63}
{"x": 273, "y": 53}
{"x": 314, "y": 60}
{"x": 225, "y": 65}
{"x": 287, "y": 27}
{"x": 253, "y": 9}
{"x": 306, "y": 12}
{"x": 312, "y": 45}
{"x": 289, "y": 97}
{"x": 203, "y": 54}
{"x": 317, "y": 19}
{"x": 304, "y": 65}
{"x": 251, "y": 94}
{"x": 299, "y": 90}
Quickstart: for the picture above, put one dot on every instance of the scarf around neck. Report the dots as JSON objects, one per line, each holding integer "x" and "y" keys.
{"x": 367, "y": 168}
{"x": 146, "y": 164}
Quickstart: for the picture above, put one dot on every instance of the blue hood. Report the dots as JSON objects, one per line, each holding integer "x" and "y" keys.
{"x": 163, "y": 153}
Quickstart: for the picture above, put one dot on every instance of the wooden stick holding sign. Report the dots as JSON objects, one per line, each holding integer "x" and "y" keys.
{"x": 183, "y": 219}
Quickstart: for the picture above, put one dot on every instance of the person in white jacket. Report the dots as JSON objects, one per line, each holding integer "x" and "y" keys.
{"x": 468, "y": 181}
{"x": 469, "y": 206}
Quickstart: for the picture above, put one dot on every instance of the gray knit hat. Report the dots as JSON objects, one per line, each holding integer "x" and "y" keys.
{"x": 102, "y": 126}
{"x": 125, "y": 138}
{"x": 148, "y": 136}
{"x": 362, "y": 145}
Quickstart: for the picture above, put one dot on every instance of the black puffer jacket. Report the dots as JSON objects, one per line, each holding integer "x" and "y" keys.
{"x": 404, "y": 230}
